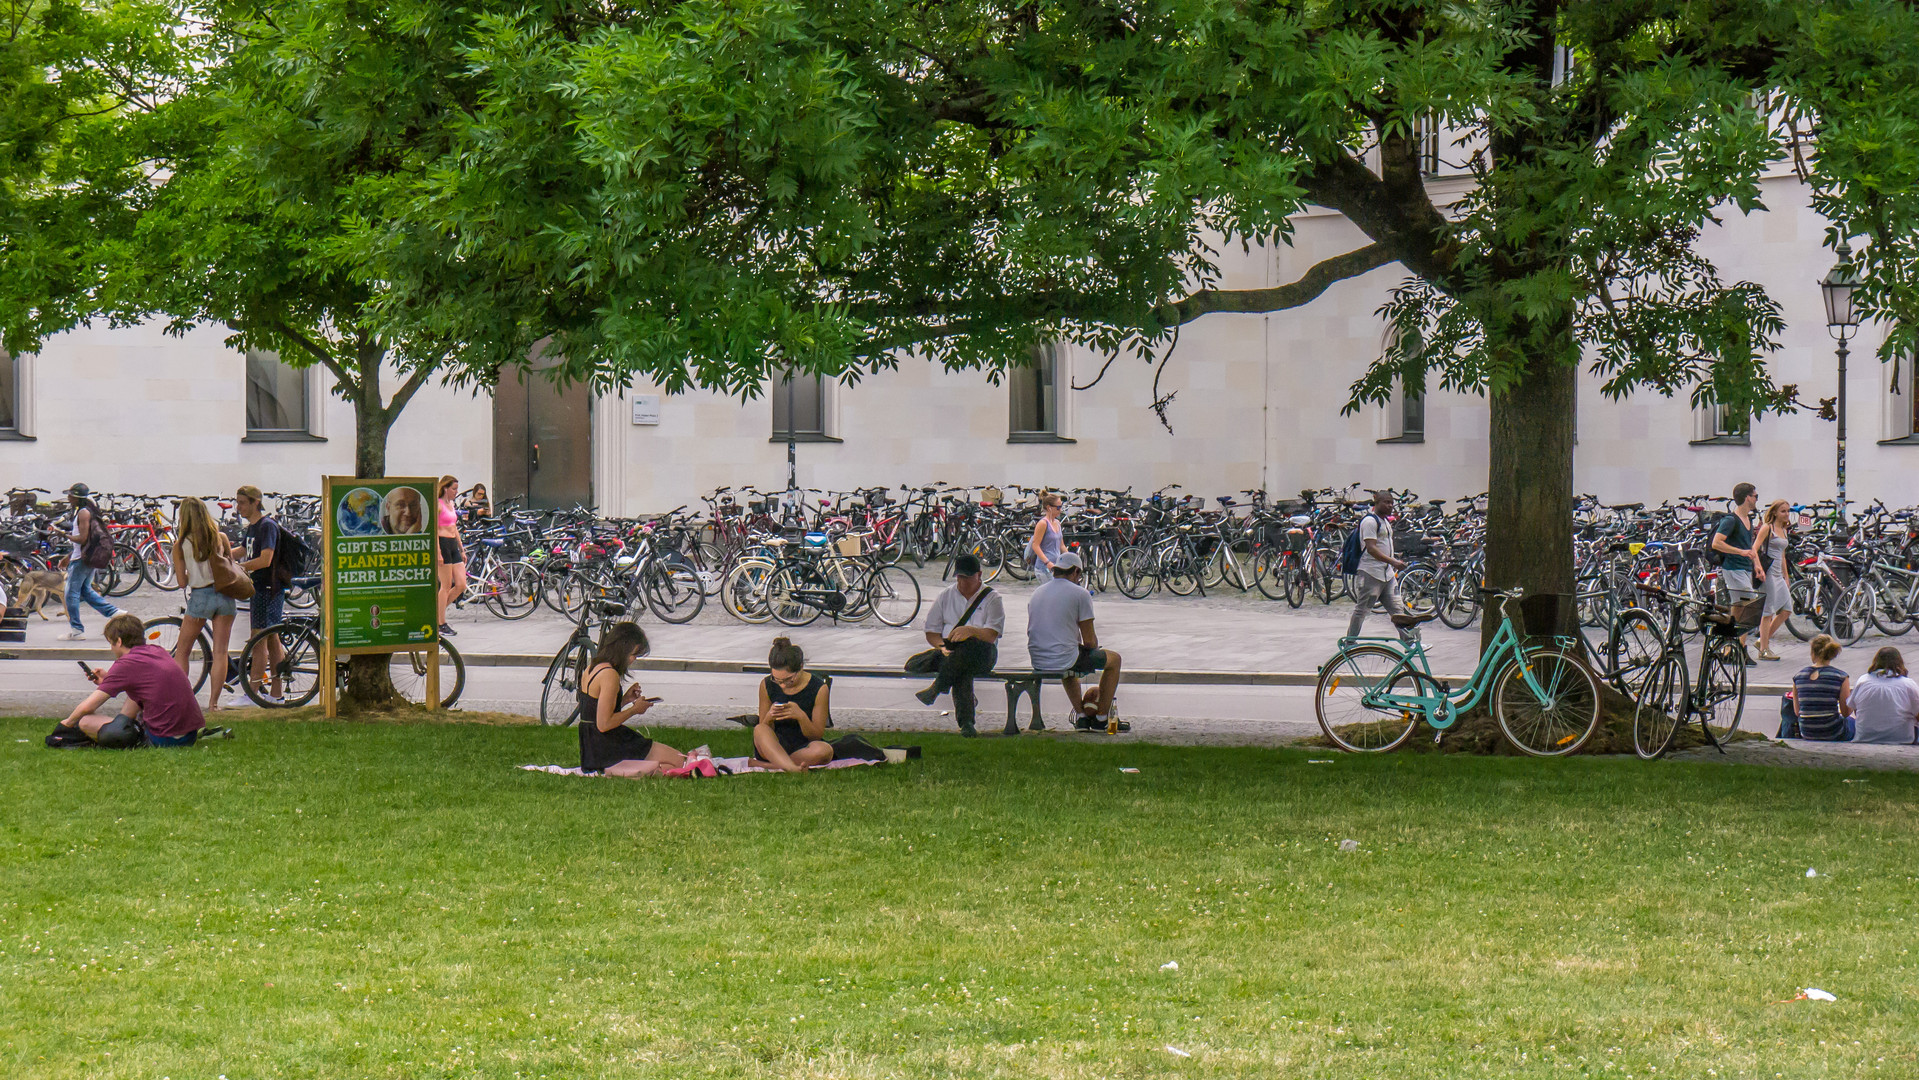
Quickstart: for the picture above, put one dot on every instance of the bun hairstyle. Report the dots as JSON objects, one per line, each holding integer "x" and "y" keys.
{"x": 785, "y": 656}
{"x": 1824, "y": 648}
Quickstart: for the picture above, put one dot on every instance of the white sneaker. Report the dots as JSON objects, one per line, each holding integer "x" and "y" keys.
{"x": 71, "y": 635}
{"x": 272, "y": 700}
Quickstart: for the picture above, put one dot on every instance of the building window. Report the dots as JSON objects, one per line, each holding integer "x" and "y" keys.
{"x": 1902, "y": 403}
{"x": 1426, "y": 144}
{"x": 276, "y": 397}
{"x": 1033, "y": 394}
{"x": 1723, "y": 425}
{"x": 1405, "y": 416}
{"x": 9, "y": 394}
{"x": 799, "y": 406}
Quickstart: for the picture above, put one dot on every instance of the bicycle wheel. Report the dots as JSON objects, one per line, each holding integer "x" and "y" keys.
{"x": 156, "y": 563}
{"x": 1632, "y": 647}
{"x": 1177, "y": 572}
{"x": 1133, "y": 573}
{"x": 513, "y": 591}
{"x": 674, "y": 591}
{"x": 1269, "y": 573}
{"x": 560, "y": 689}
{"x": 711, "y": 566}
{"x": 1419, "y": 590}
{"x": 302, "y": 598}
{"x": 1297, "y": 579}
{"x": 893, "y": 595}
{"x": 1889, "y": 613}
{"x": 1659, "y": 706}
{"x": 1327, "y": 581}
{"x": 1850, "y": 617}
{"x": 743, "y": 593}
{"x": 1721, "y": 697}
{"x": 123, "y": 574}
{"x": 1339, "y": 699}
{"x": 165, "y": 632}
{"x": 1808, "y": 615}
{"x": 408, "y": 671}
{"x": 1016, "y": 541}
{"x": 788, "y": 608}
{"x": 1556, "y": 719}
{"x": 299, "y": 667}
{"x": 1458, "y": 599}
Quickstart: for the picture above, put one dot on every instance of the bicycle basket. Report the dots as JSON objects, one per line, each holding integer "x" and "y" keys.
{"x": 1739, "y": 617}
{"x": 850, "y": 546}
{"x": 991, "y": 496}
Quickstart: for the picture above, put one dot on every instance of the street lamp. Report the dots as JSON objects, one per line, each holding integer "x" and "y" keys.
{"x": 1842, "y": 318}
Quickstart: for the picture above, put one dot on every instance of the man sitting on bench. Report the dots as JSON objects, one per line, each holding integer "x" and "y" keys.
{"x": 964, "y": 625}
{"x": 1060, "y": 637}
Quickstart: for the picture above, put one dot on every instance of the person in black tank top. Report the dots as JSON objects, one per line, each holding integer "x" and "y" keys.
{"x": 791, "y": 734}
{"x": 607, "y": 745}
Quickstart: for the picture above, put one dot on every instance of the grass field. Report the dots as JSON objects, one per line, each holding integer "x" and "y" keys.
{"x": 358, "y": 900}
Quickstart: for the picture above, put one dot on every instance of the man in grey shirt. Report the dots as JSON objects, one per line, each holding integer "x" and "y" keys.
{"x": 1377, "y": 579}
{"x": 1060, "y": 637}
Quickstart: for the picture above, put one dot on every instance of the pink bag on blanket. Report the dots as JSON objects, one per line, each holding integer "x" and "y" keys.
{"x": 696, "y": 767}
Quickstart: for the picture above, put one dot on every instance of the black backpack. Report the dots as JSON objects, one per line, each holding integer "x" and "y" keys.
{"x": 290, "y": 557}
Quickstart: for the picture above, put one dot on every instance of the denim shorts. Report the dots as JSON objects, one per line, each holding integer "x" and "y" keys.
{"x": 266, "y": 608}
{"x": 188, "y": 739}
{"x": 207, "y": 602}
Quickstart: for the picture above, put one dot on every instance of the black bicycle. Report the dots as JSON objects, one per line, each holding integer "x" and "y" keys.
{"x": 1669, "y": 695}
{"x": 560, "y": 688}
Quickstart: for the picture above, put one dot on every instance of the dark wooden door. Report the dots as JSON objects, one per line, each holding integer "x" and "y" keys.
{"x": 542, "y": 439}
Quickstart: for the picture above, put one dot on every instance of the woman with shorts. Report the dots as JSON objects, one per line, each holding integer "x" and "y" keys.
{"x": 199, "y": 543}
{"x": 791, "y": 734}
{"x": 452, "y": 554}
{"x": 607, "y": 745}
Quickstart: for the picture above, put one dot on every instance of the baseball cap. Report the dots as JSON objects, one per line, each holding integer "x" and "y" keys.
{"x": 81, "y": 490}
{"x": 1067, "y": 561}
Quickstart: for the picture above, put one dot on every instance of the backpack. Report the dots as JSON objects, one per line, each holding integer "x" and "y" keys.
{"x": 1350, "y": 553}
{"x": 290, "y": 557}
{"x": 97, "y": 552}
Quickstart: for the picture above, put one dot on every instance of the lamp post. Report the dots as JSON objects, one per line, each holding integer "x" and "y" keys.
{"x": 792, "y": 453}
{"x": 1841, "y": 319}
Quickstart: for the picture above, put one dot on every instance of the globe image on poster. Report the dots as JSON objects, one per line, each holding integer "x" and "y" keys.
{"x": 359, "y": 513}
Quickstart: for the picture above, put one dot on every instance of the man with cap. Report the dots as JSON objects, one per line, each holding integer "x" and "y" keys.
{"x": 1060, "y": 637}
{"x": 964, "y": 626}
{"x": 86, "y": 518}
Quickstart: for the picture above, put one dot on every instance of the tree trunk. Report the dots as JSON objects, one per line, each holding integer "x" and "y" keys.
{"x": 369, "y": 679}
{"x": 1529, "y": 502}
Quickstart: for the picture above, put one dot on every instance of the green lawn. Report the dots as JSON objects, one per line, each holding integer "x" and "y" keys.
{"x": 342, "y": 900}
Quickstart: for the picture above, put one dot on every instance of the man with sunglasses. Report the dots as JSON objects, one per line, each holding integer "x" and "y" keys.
{"x": 1737, "y": 545}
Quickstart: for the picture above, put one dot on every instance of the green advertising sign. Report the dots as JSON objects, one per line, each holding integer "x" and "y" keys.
{"x": 381, "y": 583}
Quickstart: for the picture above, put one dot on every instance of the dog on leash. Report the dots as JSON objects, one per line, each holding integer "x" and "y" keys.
{"x": 38, "y": 588}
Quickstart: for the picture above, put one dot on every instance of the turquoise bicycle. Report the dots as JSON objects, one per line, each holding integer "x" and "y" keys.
{"x": 1373, "y": 691}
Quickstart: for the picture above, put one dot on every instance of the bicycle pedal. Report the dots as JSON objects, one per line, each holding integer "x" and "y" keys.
{"x": 1437, "y": 736}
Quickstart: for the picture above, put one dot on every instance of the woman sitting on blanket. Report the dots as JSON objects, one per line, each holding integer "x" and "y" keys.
{"x": 791, "y": 734}
{"x": 607, "y": 745}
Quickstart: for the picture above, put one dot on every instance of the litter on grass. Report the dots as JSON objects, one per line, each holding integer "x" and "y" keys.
{"x": 1129, "y": 770}
{"x": 1176, "y": 1050}
{"x": 1170, "y": 965}
{"x": 1810, "y": 993}
{"x": 1319, "y": 761}
{"x": 1349, "y": 845}
{"x": 1810, "y": 872}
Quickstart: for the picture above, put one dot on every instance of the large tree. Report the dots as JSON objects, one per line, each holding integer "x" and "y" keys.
{"x": 701, "y": 191}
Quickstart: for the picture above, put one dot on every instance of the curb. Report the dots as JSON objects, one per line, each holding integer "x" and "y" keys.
{"x": 744, "y": 667}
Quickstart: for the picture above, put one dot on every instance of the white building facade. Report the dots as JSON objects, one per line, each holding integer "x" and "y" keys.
{"x": 1257, "y": 404}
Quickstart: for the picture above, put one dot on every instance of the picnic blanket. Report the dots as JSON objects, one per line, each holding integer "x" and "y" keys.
{"x": 739, "y": 766}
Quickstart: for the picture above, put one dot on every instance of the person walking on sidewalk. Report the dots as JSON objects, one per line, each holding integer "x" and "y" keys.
{"x": 1043, "y": 550}
{"x": 1738, "y": 550}
{"x": 1376, "y": 579}
{"x": 1774, "y": 534}
{"x": 452, "y": 552}
{"x": 89, "y": 538}
{"x": 195, "y": 552}
{"x": 963, "y": 628}
{"x": 268, "y": 606}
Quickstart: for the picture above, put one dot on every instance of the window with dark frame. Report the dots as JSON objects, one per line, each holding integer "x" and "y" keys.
{"x": 1033, "y": 393}
{"x": 1412, "y": 413}
{"x": 276, "y": 395}
{"x": 807, "y": 401}
{"x": 9, "y": 393}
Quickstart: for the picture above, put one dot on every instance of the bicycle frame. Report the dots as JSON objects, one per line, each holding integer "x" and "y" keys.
{"x": 1443, "y": 709}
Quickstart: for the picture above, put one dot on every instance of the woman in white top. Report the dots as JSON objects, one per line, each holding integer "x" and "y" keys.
{"x": 199, "y": 543}
{"x": 1885, "y": 702}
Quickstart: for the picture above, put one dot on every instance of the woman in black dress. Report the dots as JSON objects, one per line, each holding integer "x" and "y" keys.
{"x": 791, "y": 734}
{"x": 607, "y": 745}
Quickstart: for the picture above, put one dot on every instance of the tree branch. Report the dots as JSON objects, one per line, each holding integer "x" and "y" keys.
{"x": 319, "y": 354}
{"x": 414, "y": 380}
{"x": 1281, "y": 297}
